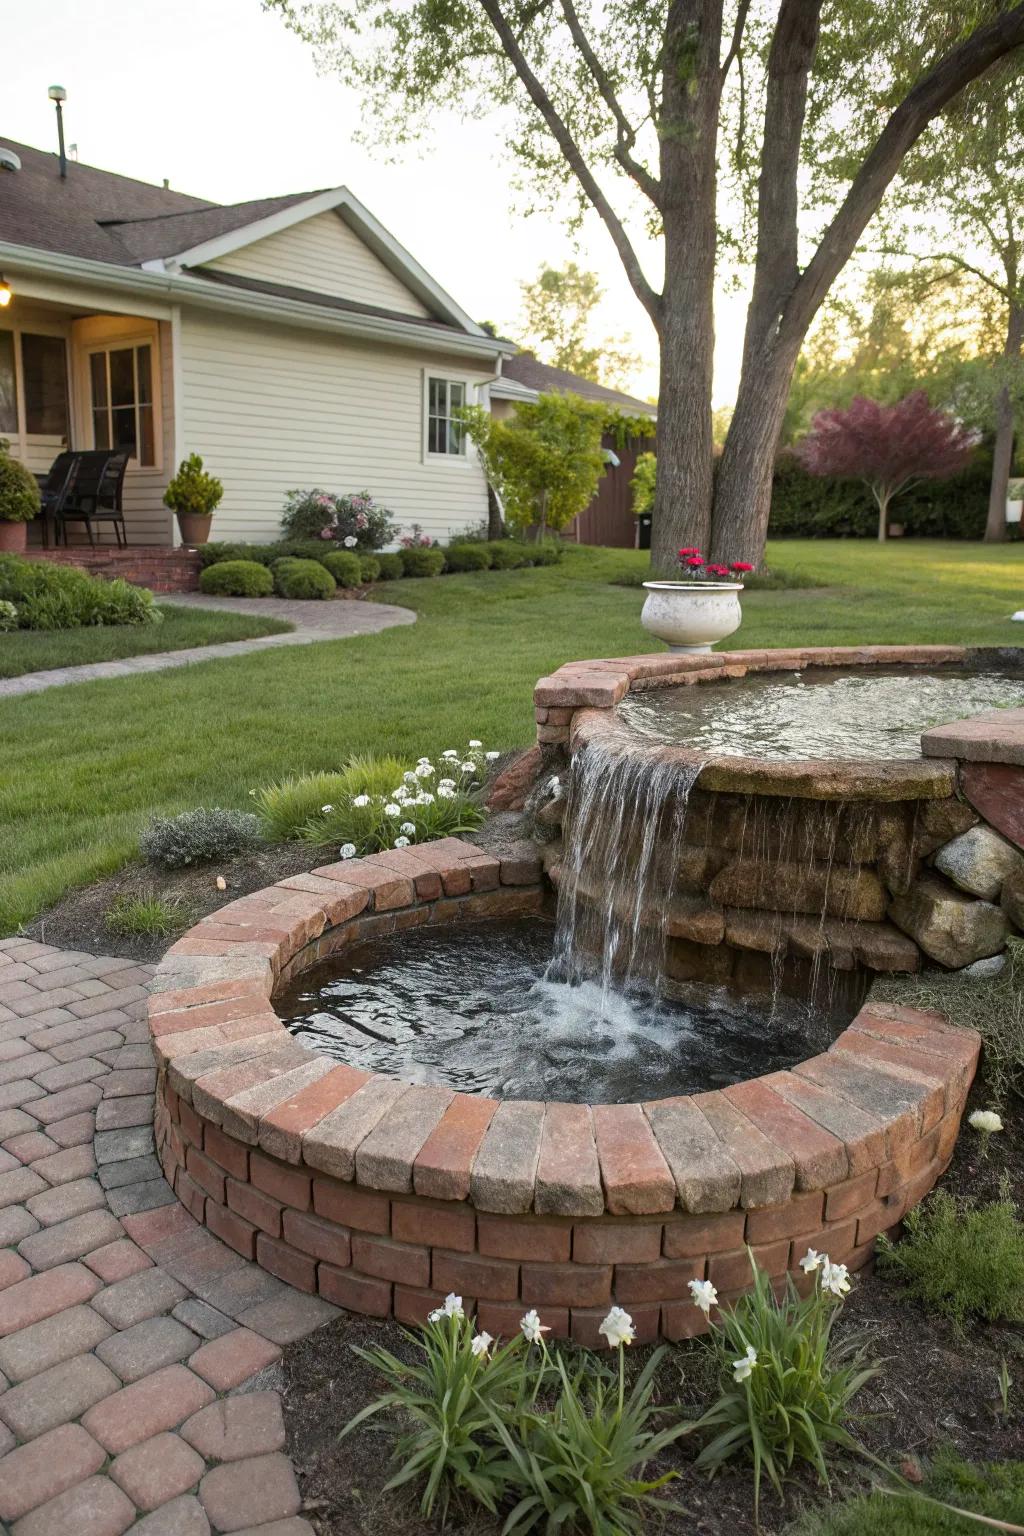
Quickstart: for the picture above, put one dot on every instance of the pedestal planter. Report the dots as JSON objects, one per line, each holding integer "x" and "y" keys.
{"x": 691, "y": 615}
{"x": 13, "y": 538}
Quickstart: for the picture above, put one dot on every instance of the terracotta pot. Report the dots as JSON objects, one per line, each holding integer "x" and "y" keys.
{"x": 195, "y": 528}
{"x": 13, "y": 538}
{"x": 691, "y": 615}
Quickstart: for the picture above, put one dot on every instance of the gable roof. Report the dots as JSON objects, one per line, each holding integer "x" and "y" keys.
{"x": 529, "y": 377}
{"x": 167, "y": 234}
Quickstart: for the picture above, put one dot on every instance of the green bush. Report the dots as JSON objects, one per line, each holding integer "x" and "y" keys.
{"x": 508, "y": 554}
{"x": 54, "y": 597}
{"x": 992, "y": 1490}
{"x": 344, "y": 566}
{"x": 237, "y": 578}
{"x": 19, "y": 491}
{"x": 369, "y": 567}
{"x": 266, "y": 554}
{"x": 8, "y": 616}
{"x": 547, "y": 553}
{"x": 196, "y": 837}
{"x": 806, "y": 506}
{"x": 961, "y": 1259}
{"x": 302, "y": 579}
{"x": 391, "y": 567}
{"x": 216, "y": 553}
{"x": 468, "y": 557}
{"x": 422, "y": 560}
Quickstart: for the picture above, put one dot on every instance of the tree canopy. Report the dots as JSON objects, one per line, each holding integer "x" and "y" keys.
{"x": 545, "y": 462}
{"x": 558, "y": 325}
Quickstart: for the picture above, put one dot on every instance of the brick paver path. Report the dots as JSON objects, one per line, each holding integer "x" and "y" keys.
{"x": 138, "y": 1354}
{"x": 313, "y": 622}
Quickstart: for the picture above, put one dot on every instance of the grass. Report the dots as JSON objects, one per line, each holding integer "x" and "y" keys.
{"x": 83, "y": 769}
{"x": 28, "y": 650}
{"x": 131, "y": 916}
{"x": 993, "y": 1492}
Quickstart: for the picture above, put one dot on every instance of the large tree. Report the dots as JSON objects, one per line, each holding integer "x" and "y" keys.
{"x": 655, "y": 106}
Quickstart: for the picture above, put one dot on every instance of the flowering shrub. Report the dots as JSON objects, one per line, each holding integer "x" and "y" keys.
{"x": 785, "y": 1385}
{"x": 417, "y": 539}
{"x": 695, "y": 568}
{"x": 354, "y": 521}
{"x": 286, "y": 807}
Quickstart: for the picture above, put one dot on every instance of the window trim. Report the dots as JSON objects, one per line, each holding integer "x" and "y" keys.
{"x": 38, "y": 326}
{"x": 427, "y": 455}
{"x": 134, "y": 339}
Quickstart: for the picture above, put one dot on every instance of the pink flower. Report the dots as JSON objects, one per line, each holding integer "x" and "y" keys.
{"x": 740, "y": 565}
{"x": 362, "y": 521}
{"x": 694, "y": 561}
{"x": 327, "y": 533}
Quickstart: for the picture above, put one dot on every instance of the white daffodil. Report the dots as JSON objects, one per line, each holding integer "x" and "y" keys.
{"x": 446, "y": 783}
{"x": 409, "y": 777}
{"x": 618, "y": 1328}
{"x": 742, "y": 1369}
{"x": 452, "y": 1308}
{"x": 468, "y": 767}
{"x": 704, "y": 1295}
{"x": 424, "y": 770}
{"x": 481, "y": 1344}
{"x": 813, "y": 1260}
{"x": 361, "y": 800}
{"x": 533, "y": 1328}
{"x": 347, "y": 850}
{"x": 401, "y": 842}
{"x": 985, "y": 1120}
{"x": 450, "y": 755}
{"x": 408, "y": 829}
{"x": 476, "y": 743}
{"x": 492, "y": 756}
{"x": 424, "y": 799}
{"x": 835, "y": 1278}
{"x": 445, "y": 792}
{"x": 391, "y": 809}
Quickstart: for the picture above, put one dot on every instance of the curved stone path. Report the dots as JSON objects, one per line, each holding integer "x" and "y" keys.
{"x": 313, "y": 622}
{"x": 139, "y": 1384}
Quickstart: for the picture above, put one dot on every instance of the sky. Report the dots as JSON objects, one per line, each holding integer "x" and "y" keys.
{"x": 224, "y": 101}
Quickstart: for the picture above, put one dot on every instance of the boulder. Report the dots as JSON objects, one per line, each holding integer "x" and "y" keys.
{"x": 979, "y": 861}
{"x": 510, "y": 786}
{"x": 1013, "y": 899}
{"x": 691, "y": 917}
{"x": 807, "y": 886}
{"x": 984, "y": 970}
{"x": 950, "y": 926}
{"x": 940, "y": 820}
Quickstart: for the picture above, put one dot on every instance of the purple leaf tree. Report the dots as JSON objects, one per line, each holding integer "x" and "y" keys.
{"x": 889, "y": 447}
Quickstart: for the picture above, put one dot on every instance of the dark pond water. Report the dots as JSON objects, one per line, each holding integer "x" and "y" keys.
{"x": 470, "y": 1007}
{"x": 864, "y": 712}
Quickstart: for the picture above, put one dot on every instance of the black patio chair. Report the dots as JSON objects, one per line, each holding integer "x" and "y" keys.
{"x": 95, "y": 494}
{"x": 54, "y": 488}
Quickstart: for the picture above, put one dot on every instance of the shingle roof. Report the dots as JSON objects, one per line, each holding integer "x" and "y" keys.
{"x": 170, "y": 233}
{"x": 526, "y": 369}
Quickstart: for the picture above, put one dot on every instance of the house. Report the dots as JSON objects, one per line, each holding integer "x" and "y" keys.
{"x": 290, "y": 341}
{"x": 609, "y": 519}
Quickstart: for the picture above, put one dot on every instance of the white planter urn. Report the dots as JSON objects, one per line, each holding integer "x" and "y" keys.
{"x": 691, "y": 615}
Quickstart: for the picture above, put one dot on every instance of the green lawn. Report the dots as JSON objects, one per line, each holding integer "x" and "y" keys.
{"x": 38, "y": 650}
{"x": 83, "y": 768}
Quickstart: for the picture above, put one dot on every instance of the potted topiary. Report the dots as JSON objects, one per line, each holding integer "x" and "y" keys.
{"x": 193, "y": 495}
{"x": 19, "y": 502}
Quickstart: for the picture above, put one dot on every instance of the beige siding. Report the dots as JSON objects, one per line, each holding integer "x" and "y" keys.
{"x": 326, "y": 256}
{"x": 272, "y": 409}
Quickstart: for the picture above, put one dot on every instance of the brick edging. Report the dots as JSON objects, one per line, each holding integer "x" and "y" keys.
{"x": 383, "y": 1196}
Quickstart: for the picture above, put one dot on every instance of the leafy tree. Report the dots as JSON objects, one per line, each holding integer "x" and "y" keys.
{"x": 655, "y": 111}
{"x": 644, "y": 483}
{"x": 545, "y": 462}
{"x": 558, "y": 308}
{"x": 889, "y": 447}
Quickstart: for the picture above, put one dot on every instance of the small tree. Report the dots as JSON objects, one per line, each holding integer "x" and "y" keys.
{"x": 889, "y": 447}
{"x": 546, "y": 462}
{"x": 558, "y": 313}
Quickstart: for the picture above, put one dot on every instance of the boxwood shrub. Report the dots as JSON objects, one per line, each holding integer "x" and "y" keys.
{"x": 468, "y": 557}
{"x": 422, "y": 560}
{"x": 508, "y": 555}
{"x": 302, "y": 579}
{"x": 344, "y": 566}
{"x": 369, "y": 567}
{"x": 51, "y": 597}
{"x": 391, "y": 567}
{"x": 237, "y": 578}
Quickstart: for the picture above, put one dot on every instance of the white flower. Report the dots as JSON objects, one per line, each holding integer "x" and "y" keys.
{"x": 408, "y": 829}
{"x": 811, "y": 1261}
{"x": 361, "y": 800}
{"x": 424, "y": 799}
{"x": 704, "y": 1295}
{"x": 348, "y": 850}
{"x": 424, "y": 771}
{"x": 481, "y": 1344}
{"x": 446, "y": 783}
{"x": 468, "y": 767}
{"x": 533, "y": 1328}
{"x": 445, "y": 792}
{"x": 618, "y": 1328}
{"x": 350, "y": 542}
{"x": 410, "y": 777}
{"x": 835, "y": 1278}
{"x": 741, "y": 1369}
{"x": 492, "y": 756}
{"x": 479, "y": 744}
{"x": 401, "y": 842}
{"x": 450, "y": 755}
{"x": 391, "y": 809}
{"x": 985, "y": 1120}
{"x": 421, "y": 760}
{"x": 452, "y": 1308}
{"x": 326, "y": 810}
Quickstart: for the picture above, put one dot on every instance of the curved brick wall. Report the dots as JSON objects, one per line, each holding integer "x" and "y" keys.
{"x": 383, "y": 1197}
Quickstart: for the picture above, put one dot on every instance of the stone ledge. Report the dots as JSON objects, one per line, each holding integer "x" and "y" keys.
{"x": 994, "y": 737}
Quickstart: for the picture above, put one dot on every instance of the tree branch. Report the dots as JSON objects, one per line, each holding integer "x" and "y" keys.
{"x": 954, "y": 260}
{"x": 737, "y": 37}
{"x": 928, "y": 97}
{"x": 574, "y": 158}
{"x": 625, "y": 133}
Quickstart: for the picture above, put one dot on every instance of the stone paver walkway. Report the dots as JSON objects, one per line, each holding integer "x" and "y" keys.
{"x": 313, "y": 622}
{"x": 139, "y": 1386}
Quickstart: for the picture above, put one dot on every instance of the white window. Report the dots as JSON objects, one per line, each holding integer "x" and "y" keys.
{"x": 121, "y": 400}
{"x": 445, "y": 435}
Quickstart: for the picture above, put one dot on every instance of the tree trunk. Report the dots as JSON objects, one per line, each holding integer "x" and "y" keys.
{"x": 743, "y": 493}
{"x": 495, "y": 525}
{"x": 882, "y": 498}
{"x": 1002, "y": 456}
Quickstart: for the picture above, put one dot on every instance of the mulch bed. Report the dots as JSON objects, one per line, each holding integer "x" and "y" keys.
{"x": 934, "y": 1391}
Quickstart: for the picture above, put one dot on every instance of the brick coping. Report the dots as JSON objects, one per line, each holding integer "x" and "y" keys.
{"x": 576, "y": 705}
{"x": 382, "y": 1195}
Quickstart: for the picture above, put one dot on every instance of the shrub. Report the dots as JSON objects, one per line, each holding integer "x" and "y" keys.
{"x": 422, "y": 560}
{"x": 149, "y": 914}
{"x": 961, "y": 1259}
{"x": 547, "y": 553}
{"x": 369, "y": 567}
{"x": 8, "y": 616}
{"x": 196, "y": 837}
{"x": 993, "y": 1491}
{"x": 785, "y": 1385}
{"x": 391, "y": 567}
{"x": 804, "y": 506}
{"x": 237, "y": 578}
{"x": 300, "y": 579}
{"x": 291, "y": 806}
{"x": 344, "y": 566}
{"x": 468, "y": 557}
{"x": 53, "y": 597}
{"x": 508, "y": 554}
{"x": 355, "y": 521}
{"x": 19, "y": 492}
{"x": 192, "y": 489}
{"x": 216, "y": 553}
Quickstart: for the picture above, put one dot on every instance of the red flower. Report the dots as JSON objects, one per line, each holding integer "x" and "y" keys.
{"x": 695, "y": 560}
{"x": 684, "y": 552}
{"x": 719, "y": 570}
{"x": 740, "y": 565}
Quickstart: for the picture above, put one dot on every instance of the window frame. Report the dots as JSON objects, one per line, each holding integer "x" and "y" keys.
{"x": 432, "y": 456}
{"x": 130, "y": 341}
{"x": 19, "y": 436}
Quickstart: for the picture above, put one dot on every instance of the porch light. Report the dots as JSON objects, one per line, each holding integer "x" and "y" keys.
{"x": 6, "y": 294}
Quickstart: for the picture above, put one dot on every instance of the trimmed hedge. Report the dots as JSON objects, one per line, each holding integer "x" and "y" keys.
{"x": 508, "y": 555}
{"x": 302, "y": 580}
{"x": 391, "y": 567}
{"x": 468, "y": 557}
{"x": 806, "y": 506}
{"x": 237, "y": 578}
{"x": 422, "y": 560}
{"x": 369, "y": 567}
{"x": 344, "y": 566}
